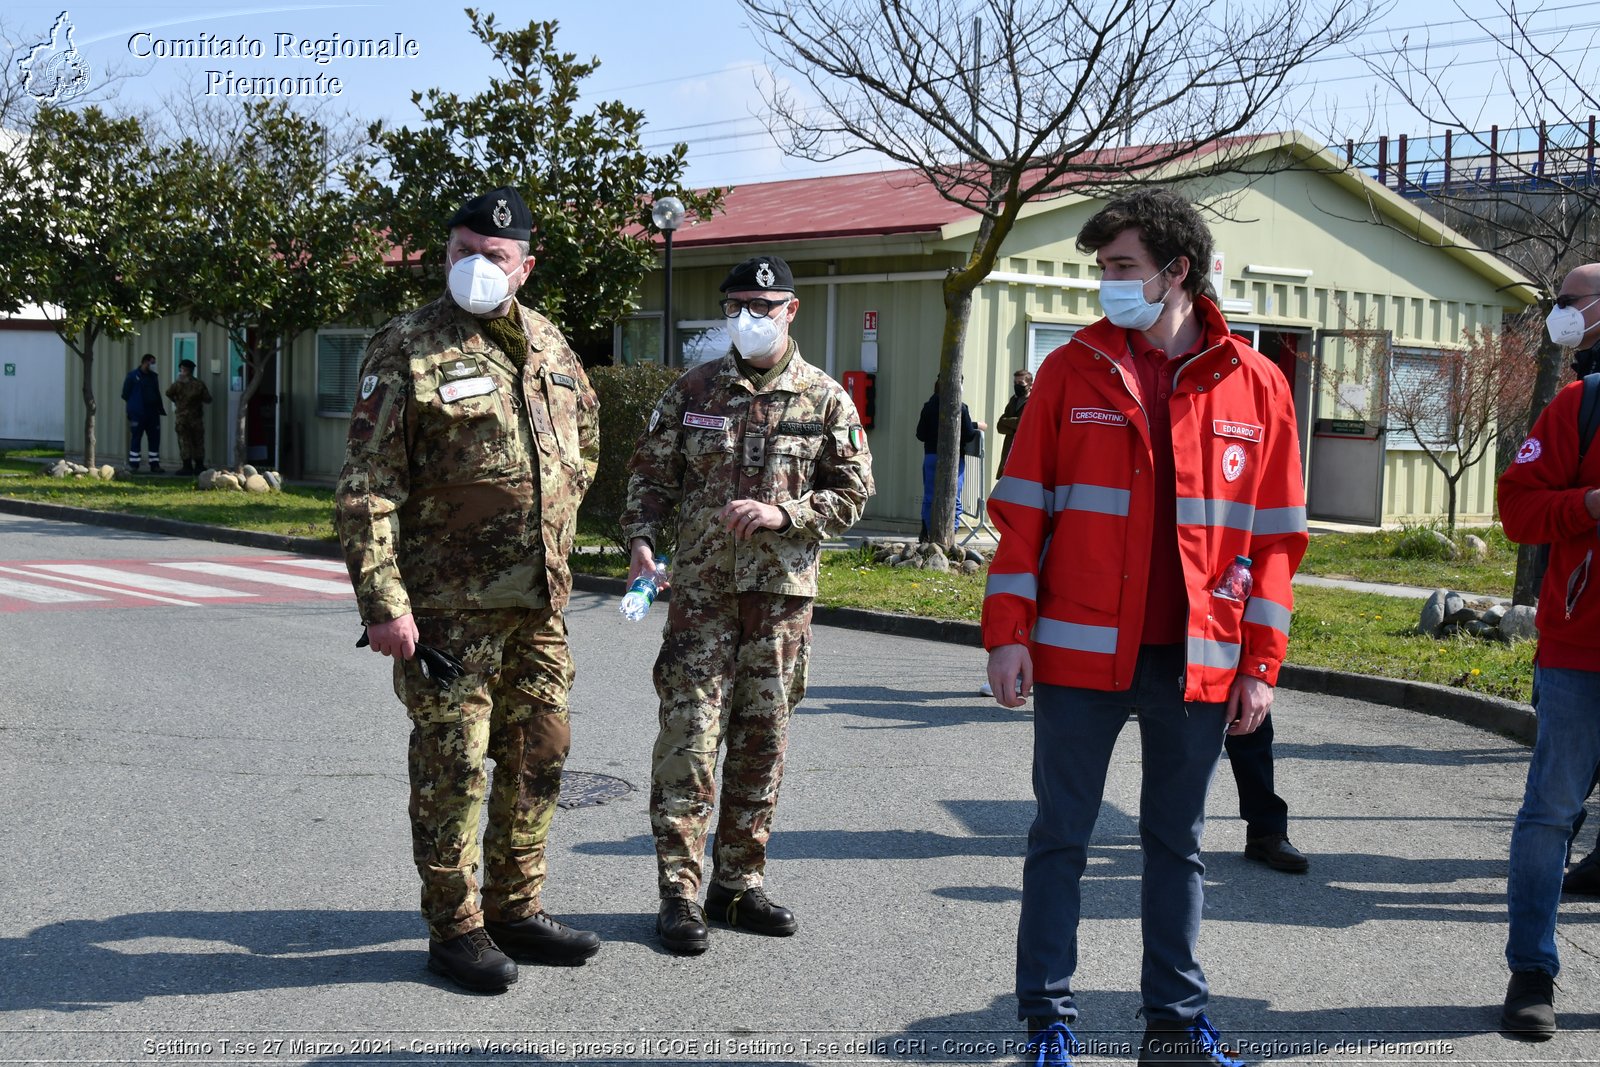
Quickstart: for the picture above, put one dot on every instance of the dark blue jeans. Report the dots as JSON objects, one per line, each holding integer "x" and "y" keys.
{"x": 1074, "y": 731}
{"x": 150, "y": 430}
{"x": 929, "y": 461}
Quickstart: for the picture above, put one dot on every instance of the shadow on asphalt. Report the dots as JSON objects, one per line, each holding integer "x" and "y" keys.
{"x": 88, "y": 964}
{"x": 903, "y": 709}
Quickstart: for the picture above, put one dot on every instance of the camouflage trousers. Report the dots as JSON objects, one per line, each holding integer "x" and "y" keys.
{"x": 511, "y": 707}
{"x": 732, "y": 667}
{"x": 191, "y": 439}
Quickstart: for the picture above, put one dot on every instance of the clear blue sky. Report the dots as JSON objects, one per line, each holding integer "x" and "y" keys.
{"x": 695, "y": 74}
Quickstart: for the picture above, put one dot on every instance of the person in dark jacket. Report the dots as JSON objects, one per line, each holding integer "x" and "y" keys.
{"x": 142, "y": 391}
{"x": 1021, "y": 386}
{"x": 928, "y": 434}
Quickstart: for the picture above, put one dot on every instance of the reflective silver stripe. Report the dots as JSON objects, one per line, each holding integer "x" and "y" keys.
{"x": 1280, "y": 521}
{"x": 1023, "y": 585}
{"x": 1197, "y": 511}
{"x": 1101, "y": 499}
{"x": 1267, "y": 613}
{"x": 1076, "y": 636}
{"x": 1019, "y": 491}
{"x": 1220, "y": 654}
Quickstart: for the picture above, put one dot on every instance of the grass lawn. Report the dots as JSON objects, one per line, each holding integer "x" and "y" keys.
{"x": 1371, "y": 557}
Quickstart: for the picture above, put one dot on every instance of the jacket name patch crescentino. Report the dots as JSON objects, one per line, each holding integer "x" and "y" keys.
{"x": 705, "y": 422}
{"x": 1242, "y": 430}
{"x": 1103, "y": 416}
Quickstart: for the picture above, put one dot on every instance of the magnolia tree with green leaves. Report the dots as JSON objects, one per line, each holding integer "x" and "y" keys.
{"x": 84, "y": 232}
{"x": 273, "y": 242}
{"x": 584, "y": 174}
{"x": 1003, "y": 103}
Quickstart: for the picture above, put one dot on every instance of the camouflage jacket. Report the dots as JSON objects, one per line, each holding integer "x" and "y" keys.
{"x": 188, "y": 398}
{"x": 463, "y": 471}
{"x": 712, "y": 438}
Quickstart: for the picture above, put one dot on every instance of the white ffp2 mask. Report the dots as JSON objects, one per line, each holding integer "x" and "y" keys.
{"x": 478, "y": 285}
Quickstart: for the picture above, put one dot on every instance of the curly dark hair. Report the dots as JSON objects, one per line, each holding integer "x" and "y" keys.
{"x": 1168, "y": 225}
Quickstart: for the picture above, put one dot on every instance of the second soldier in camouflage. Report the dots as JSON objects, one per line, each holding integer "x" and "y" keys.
{"x": 756, "y": 457}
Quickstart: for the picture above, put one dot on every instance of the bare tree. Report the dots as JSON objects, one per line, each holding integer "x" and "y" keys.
{"x": 1458, "y": 404}
{"x": 1003, "y": 103}
{"x": 1535, "y": 205}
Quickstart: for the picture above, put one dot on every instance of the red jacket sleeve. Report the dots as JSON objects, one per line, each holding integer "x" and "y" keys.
{"x": 1277, "y": 544}
{"x": 1541, "y": 497}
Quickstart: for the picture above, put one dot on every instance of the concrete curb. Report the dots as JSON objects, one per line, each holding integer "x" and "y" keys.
{"x": 1506, "y": 717}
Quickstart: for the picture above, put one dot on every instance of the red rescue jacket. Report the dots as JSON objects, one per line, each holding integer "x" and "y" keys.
{"x": 1074, "y": 511}
{"x": 1541, "y": 501}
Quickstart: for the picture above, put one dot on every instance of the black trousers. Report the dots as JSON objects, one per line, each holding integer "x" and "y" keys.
{"x": 1250, "y": 756}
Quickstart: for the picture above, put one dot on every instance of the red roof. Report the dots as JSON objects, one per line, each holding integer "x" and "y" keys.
{"x": 809, "y": 209}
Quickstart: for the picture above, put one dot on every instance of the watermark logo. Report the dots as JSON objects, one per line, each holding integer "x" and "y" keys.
{"x": 51, "y": 73}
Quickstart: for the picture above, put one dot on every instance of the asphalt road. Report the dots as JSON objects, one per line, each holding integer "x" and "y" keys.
{"x": 208, "y": 860}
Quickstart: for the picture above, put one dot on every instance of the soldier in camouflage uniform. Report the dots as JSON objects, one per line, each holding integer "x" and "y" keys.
{"x": 473, "y": 439}
{"x": 761, "y": 456}
{"x": 189, "y": 396}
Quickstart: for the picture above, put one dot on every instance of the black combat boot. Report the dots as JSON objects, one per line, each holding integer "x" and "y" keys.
{"x": 472, "y": 962}
{"x": 750, "y": 909}
{"x": 542, "y": 939}
{"x": 681, "y": 925}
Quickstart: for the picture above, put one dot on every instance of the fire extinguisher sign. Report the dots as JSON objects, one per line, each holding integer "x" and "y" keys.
{"x": 869, "y": 325}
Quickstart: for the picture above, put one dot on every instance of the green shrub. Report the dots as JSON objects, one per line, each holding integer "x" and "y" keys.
{"x": 627, "y": 396}
{"x": 1419, "y": 542}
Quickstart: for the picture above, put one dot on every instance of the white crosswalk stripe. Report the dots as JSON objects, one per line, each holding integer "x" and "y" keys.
{"x": 275, "y": 578}
{"x": 152, "y": 582}
{"x": 328, "y": 565}
{"x": 43, "y": 594}
{"x": 105, "y": 588}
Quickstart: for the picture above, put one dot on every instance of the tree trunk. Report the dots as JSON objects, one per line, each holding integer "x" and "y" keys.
{"x": 947, "y": 467}
{"x": 1450, "y": 491}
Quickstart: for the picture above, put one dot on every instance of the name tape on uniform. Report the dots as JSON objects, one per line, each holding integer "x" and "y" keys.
{"x": 1102, "y": 416}
{"x": 453, "y": 391}
{"x": 1242, "y": 430}
{"x": 705, "y": 422}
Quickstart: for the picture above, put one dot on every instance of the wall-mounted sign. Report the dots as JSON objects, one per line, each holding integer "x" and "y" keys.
{"x": 869, "y": 325}
{"x": 11, "y": 370}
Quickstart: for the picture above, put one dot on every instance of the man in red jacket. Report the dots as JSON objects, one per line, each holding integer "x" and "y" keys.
{"x": 1548, "y": 497}
{"x": 1156, "y": 451}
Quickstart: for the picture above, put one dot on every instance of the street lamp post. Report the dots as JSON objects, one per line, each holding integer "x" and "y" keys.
{"x": 668, "y": 216}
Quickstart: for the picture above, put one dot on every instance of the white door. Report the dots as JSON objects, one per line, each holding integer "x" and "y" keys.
{"x": 33, "y": 386}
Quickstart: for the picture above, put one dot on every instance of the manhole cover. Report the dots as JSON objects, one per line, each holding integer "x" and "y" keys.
{"x": 585, "y": 789}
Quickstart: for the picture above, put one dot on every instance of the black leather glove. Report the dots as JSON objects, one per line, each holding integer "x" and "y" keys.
{"x": 435, "y": 663}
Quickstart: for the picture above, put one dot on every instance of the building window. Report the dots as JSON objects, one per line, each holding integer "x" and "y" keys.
{"x": 1044, "y": 338}
{"x": 339, "y": 355}
{"x": 638, "y": 339}
{"x": 1418, "y": 385}
{"x": 700, "y": 340}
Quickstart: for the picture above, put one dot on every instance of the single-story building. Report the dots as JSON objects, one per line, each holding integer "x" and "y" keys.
{"x": 33, "y": 373}
{"x": 1339, "y": 280}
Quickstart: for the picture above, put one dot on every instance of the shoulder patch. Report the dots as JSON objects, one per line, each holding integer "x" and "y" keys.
{"x": 368, "y": 384}
{"x": 1531, "y": 450}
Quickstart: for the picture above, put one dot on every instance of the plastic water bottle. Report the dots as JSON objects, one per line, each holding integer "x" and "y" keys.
{"x": 1236, "y": 581}
{"x": 642, "y": 593}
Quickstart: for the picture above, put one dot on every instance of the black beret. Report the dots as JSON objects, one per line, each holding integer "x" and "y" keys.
{"x": 760, "y": 272}
{"x": 497, "y": 213}
{"x": 186, "y": 363}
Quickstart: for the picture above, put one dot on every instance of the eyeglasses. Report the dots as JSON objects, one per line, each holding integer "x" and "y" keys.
{"x": 758, "y": 307}
{"x": 1566, "y": 300}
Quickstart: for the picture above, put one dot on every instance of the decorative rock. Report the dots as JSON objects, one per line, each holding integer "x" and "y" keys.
{"x": 58, "y": 469}
{"x": 257, "y": 484}
{"x": 1477, "y": 547}
{"x": 1451, "y": 550}
{"x": 899, "y": 548}
{"x": 226, "y": 480}
{"x": 207, "y": 479}
{"x": 1518, "y": 624}
{"x": 248, "y": 471}
{"x": 1433, "y": 613}
{"x": 1456, "y": 609}
{"x": 1478, "y": 628}
{"x": 908, "y": 561}
{"x": 974, "y": 556}
{"x": 275, "y": 480}
{"x": 970, "y": 567}
{"x": 1494, "y": 614}
{"x": 937, "y": 562}
{"x": 107, "y": 472}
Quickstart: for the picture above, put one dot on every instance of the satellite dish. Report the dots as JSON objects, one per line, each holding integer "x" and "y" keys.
{"x": 668, "y": 213}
